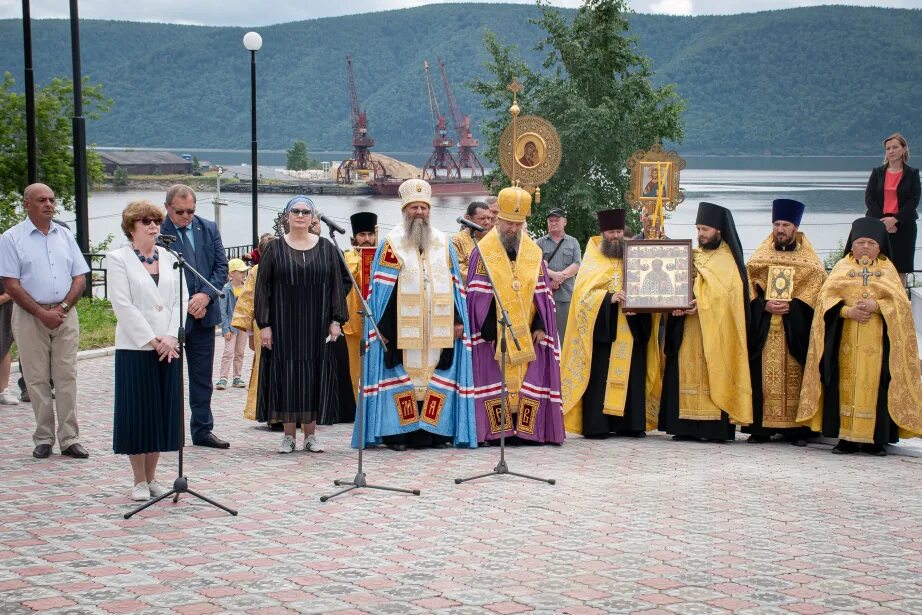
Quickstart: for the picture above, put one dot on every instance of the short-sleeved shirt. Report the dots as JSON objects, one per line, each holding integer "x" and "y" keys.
{"x": 45, "y": 265}
{"x": 568, "y": 254}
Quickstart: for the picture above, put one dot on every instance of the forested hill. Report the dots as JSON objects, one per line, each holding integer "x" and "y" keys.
{"x": 822, "y": 80}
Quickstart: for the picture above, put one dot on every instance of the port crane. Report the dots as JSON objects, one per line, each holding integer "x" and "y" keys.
{"x": 467, "y": 144}
{"x": 362, "y": 164}
{"x": 441, "y": 163}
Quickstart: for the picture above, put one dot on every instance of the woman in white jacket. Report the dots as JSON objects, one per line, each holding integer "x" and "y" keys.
{"x": 144, "y": 291}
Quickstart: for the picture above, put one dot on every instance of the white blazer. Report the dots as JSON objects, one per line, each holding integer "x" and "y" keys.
{"x": 144, "y": 310}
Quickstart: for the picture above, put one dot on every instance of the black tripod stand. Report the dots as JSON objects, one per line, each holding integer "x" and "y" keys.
{"x": 359, "y": 481}
{"x": 505, "y": 325}
{"x": 181, "y": 484}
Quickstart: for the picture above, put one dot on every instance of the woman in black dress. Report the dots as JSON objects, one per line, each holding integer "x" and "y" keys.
{"x": 892, "y": 196}
{"x": 300, "y": 305}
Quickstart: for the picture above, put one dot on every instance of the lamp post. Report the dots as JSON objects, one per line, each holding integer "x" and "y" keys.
{"x": 253, "y": 41}
{"x": 81, "y": 181}
{"x": 31, "y": 147}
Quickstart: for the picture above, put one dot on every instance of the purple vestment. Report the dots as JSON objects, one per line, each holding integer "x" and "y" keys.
{"x": 540, "y": 416}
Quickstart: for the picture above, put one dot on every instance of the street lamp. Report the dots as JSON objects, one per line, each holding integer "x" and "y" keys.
{"x": 253, "y": 41}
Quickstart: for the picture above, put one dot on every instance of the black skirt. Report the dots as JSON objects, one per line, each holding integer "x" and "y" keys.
{"x": 903, "y": 247}
{"x": 147, "y": 413}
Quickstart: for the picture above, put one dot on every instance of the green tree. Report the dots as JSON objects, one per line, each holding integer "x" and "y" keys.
{"x": 596, "y": 90}
{"x": 297, "y": 157}
{"x": 53, "y": 112}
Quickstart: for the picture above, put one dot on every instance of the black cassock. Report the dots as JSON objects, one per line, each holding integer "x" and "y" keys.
{"x": 595, "y": 422}
{"x": 669, "y": 420}
{"x": 797, "y": 324}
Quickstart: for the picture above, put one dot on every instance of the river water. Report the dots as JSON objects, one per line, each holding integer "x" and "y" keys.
{"x": 832, "y": 189}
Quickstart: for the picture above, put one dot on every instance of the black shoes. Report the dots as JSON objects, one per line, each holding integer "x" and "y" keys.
{"x": 76, "y": 451}
{"x": 42, "y": 451}
{"x": 873, "y": 449}
{"x": 754, "y": 439}
{"x": 844, "y": 447}
{"x": 212, "y": 441}
{"x": 397, "y": 447}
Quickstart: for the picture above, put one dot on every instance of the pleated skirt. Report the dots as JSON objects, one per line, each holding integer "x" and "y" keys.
{"x": 147, "y": 415}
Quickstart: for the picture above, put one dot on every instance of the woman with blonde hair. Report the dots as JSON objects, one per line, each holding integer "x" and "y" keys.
{"x": 892, "y": 196}
{"x": 145, "y": 296}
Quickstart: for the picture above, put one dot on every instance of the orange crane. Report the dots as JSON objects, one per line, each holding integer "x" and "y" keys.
{"x": 467, "y": 157}
{"x": 361, "y": 165}
{"x": 442, "y": 163}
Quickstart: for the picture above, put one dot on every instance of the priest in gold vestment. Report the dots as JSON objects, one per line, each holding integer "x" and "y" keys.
{"x": 862, "y": 380}
{"x": 244, "y": 320}
{"x": 706, "y": 386}
{"x": 517, "y": 265}
{"x": 359, "y": 258}
{"x": 466, "y": 239}
{"x": 785, "y": 277}
{"x": 608, "y": 368}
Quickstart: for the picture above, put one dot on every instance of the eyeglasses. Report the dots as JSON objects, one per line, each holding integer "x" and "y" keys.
{"x": 299, "y": 212}
{"x": 149, "y": 221}
{"x": 183, "y": 212}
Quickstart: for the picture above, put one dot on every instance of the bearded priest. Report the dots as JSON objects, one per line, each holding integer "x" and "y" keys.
{"x": 419, "y": 392}
{"x": 533, "y": 372}
{"x": 785, "y": 277}
{"x": 609, "y": 365}
{"x": 706, "y": 387}
{"x": 861, "y": 380}
{"x": 359, "y": 258}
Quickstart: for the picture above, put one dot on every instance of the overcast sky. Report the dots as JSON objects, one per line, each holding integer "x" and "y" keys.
{"x": 263, "y": 12}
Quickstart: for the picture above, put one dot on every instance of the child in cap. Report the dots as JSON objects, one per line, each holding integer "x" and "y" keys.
{"x": 234, "y": 339}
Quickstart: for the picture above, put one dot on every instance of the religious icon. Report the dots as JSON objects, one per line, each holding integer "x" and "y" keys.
{"x": 530, "y": 150}
{"x": 780, "y": 283}
{"x": 658, "y": 273}
{"x": 651, "y": 179}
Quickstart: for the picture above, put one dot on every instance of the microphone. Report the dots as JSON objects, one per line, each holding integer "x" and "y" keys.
{"x": 166, "y": 239}
{"x": 333, "y": 225}
{"x": 471, "y": 225}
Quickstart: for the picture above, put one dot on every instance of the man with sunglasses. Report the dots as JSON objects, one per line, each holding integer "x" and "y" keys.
{"x": 45, "y": 275}
{"x": 200, "y": 243}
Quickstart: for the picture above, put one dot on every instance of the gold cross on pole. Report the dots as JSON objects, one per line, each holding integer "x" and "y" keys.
{"x": 515, "y": 87}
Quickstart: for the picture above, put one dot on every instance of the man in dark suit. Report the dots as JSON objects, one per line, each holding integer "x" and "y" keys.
{"x": 200, "y": 243}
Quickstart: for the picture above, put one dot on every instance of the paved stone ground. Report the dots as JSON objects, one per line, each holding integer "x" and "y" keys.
{"x": 632, "y": 525}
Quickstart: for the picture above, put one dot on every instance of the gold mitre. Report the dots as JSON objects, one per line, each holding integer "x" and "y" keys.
{"x": 514, "y": 204}
{"x": 415, "y": 191}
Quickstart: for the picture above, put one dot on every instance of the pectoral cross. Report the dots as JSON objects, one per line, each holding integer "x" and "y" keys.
{"x": 616, "y": 280}
{"x": 866, "y": 275}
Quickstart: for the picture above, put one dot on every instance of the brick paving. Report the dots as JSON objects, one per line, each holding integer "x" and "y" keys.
{"x": 632, "y": 525}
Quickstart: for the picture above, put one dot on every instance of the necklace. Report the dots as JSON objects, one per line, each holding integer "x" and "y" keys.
{"x": 147, "y": 259}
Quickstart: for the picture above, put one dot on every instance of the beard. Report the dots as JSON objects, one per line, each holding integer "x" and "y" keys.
{"x": 613, "y": 248}
{"x": 418, "y": 233}
{"x": 782, "y": 242}
{"x": 713, "y": 244}
{"x": 511, "y": 242}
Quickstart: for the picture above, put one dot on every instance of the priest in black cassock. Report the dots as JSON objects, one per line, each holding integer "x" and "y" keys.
{"x": 706, "y": 387}
{"x": 605, "y": 368}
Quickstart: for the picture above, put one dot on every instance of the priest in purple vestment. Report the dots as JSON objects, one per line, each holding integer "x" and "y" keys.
{"x": 516, "y": 263}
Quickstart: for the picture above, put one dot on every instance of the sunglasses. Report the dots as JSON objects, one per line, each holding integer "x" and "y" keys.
{"x": 149, "y": 221}
{"x": 299, "y": 212}
{"x": 183, "y": 212}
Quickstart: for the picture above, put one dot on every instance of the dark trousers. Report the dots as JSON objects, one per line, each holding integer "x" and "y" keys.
{"x": 200, "y": 365}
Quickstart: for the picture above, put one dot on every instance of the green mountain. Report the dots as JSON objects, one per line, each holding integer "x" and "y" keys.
{"x": 822, "y": 80}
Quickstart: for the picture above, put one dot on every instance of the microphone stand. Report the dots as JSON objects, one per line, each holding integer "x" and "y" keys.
{"x": 505, "y": 325}
{"x": 181, "y": 484}
{"x": 359, "y": 481}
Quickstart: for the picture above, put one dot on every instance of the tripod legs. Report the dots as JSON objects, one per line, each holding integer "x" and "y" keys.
{"x": 180, "y": 485}
{"x": 502, "y": 468}
{"x": 359, "y": 483}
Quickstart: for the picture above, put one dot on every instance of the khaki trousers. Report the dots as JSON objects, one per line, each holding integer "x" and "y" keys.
{"x": 48, "y": 355}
